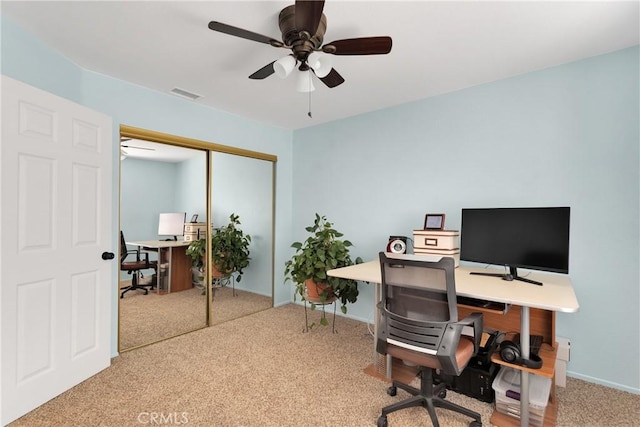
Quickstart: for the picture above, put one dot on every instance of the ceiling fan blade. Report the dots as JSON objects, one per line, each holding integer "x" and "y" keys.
{"x": 332, "y": 79}
{"x": 245, "y": 34}
{"x": 263, "y": 72}
{"x": 137, "y": 148}
{"x": 360, "y": 46}
{"x": 308, "y": 15}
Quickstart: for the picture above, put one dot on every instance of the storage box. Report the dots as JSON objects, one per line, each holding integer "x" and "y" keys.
{"x": 453, "y": 253}
{"x": 436, "y": 239}
{"x": 194, "y": 227}
{"x": 195, "y": 231}
{"x": 507, "y": 383}
{"x": 193, "y": 237}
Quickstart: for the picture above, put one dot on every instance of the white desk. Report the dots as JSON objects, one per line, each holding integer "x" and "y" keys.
{"x": 175, "y": 263}
{"x": 556, "y": 294}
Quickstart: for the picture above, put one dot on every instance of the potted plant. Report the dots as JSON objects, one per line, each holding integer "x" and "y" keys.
{"x": 229, "y": 250}
{"x": 323, "y": 250}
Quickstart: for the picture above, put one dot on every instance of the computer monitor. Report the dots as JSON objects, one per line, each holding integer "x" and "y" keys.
{"x": 534, "y": 238}
{"x": 171, "y": 224}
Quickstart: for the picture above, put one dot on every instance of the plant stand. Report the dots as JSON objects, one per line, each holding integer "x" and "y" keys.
{"x": 323, "y": 304}
{"x": 221, "y": 282}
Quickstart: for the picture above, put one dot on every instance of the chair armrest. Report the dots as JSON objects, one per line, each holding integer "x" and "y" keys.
{"x": 139, "y": 256}
{"x": 451, "y": 340}
{"x": 475, "y": 320}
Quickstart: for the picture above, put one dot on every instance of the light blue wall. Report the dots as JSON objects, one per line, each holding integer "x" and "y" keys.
{"x": 191, "y": 180}
{"x": 562, "y": 136}
{"x": 148, "y": 188}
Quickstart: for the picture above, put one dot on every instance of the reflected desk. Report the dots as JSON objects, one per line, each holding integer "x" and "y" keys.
{"x": 530, "y": 309}
{"x": 174, "y": 265}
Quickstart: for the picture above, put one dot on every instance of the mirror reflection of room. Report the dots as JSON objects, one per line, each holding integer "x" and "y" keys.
{"x": 162, "y": 187}
{"x": 165, "y": 181}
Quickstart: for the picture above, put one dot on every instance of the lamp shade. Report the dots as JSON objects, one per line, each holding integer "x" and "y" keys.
{"x": 321, "y": 64}
{"x": 284, "y": 66}
{"x": 305, "y": 82}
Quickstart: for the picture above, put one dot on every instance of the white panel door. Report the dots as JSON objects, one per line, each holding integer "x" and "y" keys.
{"x": 55, "y": 223}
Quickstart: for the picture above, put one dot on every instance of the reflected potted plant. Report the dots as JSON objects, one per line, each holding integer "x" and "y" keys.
{"x": 323, "y": 250}
{"x": 196, "y": 251}
{"x": 229, "y": 250}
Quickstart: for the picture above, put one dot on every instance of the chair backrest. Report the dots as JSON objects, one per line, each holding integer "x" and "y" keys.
{"x": 123, "y": 248}
{"x": 418, "y": 301}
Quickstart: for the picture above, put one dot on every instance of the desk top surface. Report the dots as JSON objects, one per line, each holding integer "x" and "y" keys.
{"x": 159, "y": 243}
{"x": 555, "y": 294}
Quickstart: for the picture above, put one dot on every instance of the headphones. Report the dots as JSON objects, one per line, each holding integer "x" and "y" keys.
{"x": 510, "y": 353}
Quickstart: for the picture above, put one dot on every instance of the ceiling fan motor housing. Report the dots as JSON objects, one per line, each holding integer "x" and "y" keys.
{"x": 291, "y": 35}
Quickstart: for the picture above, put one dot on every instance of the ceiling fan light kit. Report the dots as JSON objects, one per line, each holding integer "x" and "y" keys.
{"x": 302, "y": 26}
{"x": 284, "y": 66}
{"x": 305, "y": 82}
{"x": 321, "y": 64}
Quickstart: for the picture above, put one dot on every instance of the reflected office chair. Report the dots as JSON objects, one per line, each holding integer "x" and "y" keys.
{"x": 419, "y": 324}
{"x": 133, "y": 267}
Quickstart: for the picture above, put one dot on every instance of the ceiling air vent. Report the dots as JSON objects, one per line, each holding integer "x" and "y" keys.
{"x": 185, "y": 94}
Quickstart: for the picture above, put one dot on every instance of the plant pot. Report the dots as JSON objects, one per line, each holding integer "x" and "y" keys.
{"x": 314, "y": 290}
{"x": 217, "y": 274}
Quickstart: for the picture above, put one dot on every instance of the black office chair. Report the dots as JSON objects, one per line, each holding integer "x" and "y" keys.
{"x": 133, "y": 267}
{"x": 419, "y": 324}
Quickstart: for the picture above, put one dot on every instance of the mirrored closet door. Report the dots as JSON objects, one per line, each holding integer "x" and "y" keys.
{"x": 243, "y": 186}
{"x": 205, "y": 182}
{"x": 159, "y": 182}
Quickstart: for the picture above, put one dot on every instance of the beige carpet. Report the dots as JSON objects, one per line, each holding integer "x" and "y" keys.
{"x": 227, "y": 306}
{"x": 150, "y": 318}
{"x": 261, "y": 370}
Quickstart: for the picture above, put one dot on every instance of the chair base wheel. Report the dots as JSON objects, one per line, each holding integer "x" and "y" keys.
{"x": 475, "y": 423}
{"x": 392, "y": 391}
{"x": 382, "y": 421}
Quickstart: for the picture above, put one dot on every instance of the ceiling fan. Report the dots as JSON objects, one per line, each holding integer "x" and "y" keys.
{"x": 303, "y": 26}
{"x": 124, "y": 153}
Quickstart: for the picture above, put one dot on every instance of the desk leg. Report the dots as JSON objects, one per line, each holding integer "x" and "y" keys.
{"x": 524, "y": 376}
{"x": 376, "y": 320}
{"x": 170, "y": 273}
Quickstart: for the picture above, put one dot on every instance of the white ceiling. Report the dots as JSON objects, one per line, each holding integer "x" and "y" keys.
{"x": 438, "y": 47}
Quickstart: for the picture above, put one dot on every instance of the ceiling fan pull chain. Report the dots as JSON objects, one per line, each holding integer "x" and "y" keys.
{"x": 309, "y": 113}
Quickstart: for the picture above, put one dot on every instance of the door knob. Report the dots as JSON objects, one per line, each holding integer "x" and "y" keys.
{"x": 108, "y": 255}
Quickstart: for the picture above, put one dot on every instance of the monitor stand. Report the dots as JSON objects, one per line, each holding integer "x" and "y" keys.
{"x": 512, "y": 275}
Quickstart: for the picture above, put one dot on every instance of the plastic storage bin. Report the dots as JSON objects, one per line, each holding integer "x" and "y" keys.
{"x": 507, "y": 384}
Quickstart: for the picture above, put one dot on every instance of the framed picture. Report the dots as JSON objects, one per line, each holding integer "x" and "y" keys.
{"x": 434, "y": 221}
{"x": 194, "y": 218}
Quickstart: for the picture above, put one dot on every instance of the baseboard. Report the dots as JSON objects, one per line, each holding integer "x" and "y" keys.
{"x": 603, "y": 382}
